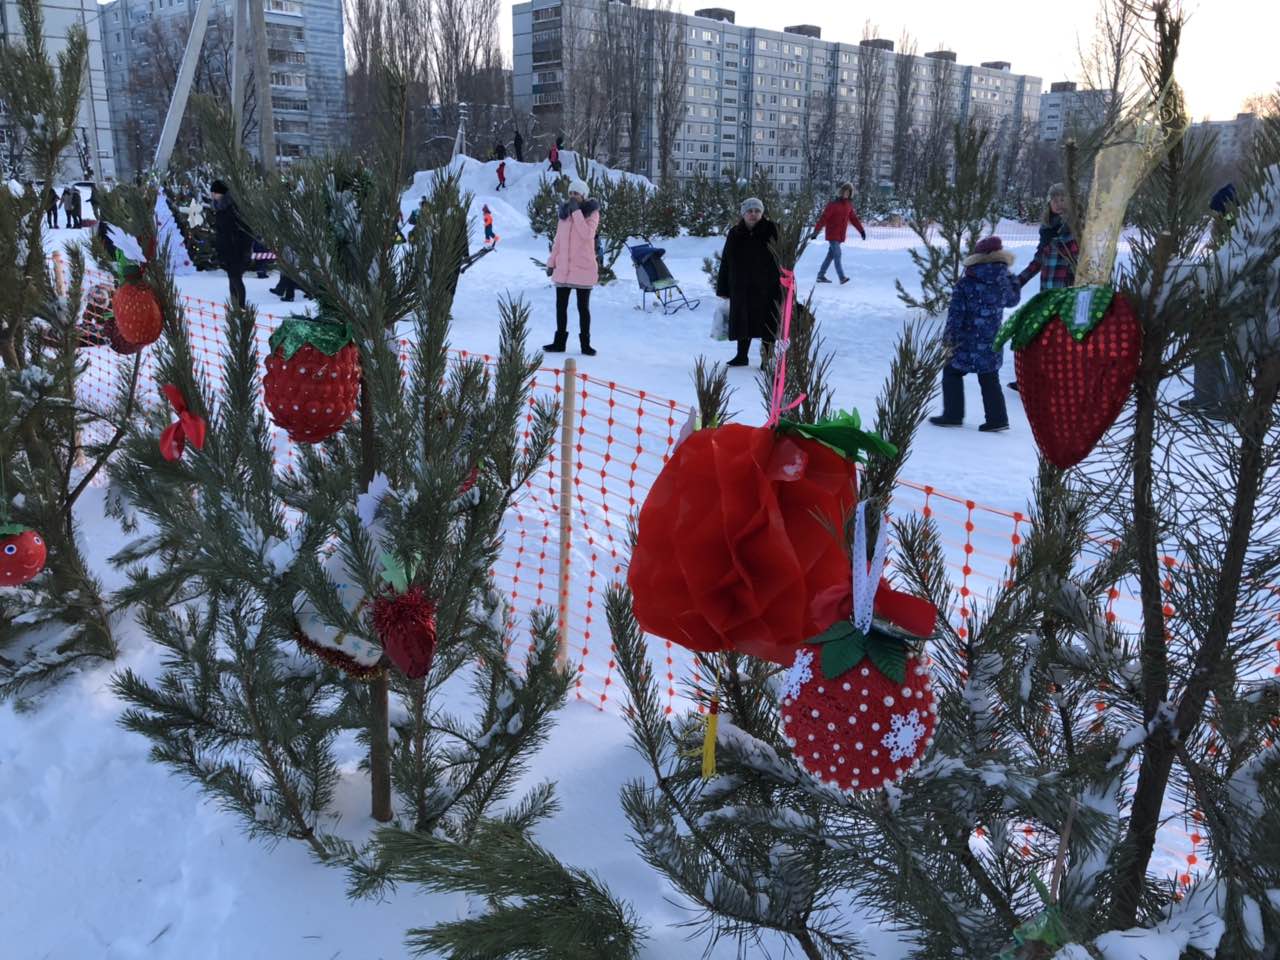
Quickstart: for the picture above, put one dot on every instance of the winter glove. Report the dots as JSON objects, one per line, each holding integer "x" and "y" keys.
{"x": 815, "y": 235}
{"x": 550, "y": 271}
{"x": 863, "y": 233}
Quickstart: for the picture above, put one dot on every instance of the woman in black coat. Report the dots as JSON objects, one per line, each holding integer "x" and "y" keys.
{"x": 750, "y": 281}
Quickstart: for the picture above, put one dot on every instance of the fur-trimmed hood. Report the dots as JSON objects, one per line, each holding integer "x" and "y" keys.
{"x": 997, "y": 256}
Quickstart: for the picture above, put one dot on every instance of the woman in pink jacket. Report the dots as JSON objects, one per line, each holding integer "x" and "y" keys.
{"x": 572, "y": 265}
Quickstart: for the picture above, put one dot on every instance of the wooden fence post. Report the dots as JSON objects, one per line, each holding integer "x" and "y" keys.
{"x": 568, "y": 423}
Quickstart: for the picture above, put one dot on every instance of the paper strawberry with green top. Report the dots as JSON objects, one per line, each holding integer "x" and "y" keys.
{"x": 858, "y": 708}
{"x": 743, "y": 531}
{"x": 313, "y": 378}
{"x": 22, "y": 554}
{"x": 1076, "y": 354}
{"x": 134, "y": 308}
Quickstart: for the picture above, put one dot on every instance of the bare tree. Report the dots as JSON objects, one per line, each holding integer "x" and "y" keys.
{"x": 816, "y": 136}
{"x": 1111, "y": 61}
{"x": 871, "y": 84}
{"x": 904, "y": 112}
{"x": 668, "y": 94}
{"x": 1262, "y": 104}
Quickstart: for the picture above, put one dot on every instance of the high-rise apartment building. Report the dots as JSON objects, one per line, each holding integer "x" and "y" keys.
{"x": 1231, "y": 138}
{"x": 1066, "y": 110}
{"x": 93, "y": 155}
{"x": 782, "y": 100}
{"x": 144, "y": 41}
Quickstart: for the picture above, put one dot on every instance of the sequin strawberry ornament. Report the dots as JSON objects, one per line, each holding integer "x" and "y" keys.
{"x": 858, "y": 707}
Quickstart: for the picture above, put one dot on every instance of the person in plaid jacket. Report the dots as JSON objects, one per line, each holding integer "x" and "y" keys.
{"x": 1057, "y": 251}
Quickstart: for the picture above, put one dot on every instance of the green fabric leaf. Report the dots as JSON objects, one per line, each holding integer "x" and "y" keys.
{"x": 843, "y": 433}
{"x": 837, "y": 631}
{"x": 126, "y": 269}
{"x": 841, "y": 656}
{"x": 297, "y": 332}
{"x": 394, "y": 573}
{"x": 11, "y": 529}
{"x": 1028, "y": 320}
{"x": 889, "y": 655}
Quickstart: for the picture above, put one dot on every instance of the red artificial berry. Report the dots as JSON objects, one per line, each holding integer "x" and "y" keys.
{"x": 860, "y": 731}
{"x": 137, "y": 314}
{"x": 22, "y": 556}
{"x": 311, "y": 395}
{"x": 406, "y": 625}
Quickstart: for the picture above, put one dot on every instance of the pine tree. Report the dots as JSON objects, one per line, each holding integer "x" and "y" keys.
{"x": 1064, "y": 738}
{"x": 261, "y": 581}
{"x": 53, "y": 441}
{"x": 955, "y": 201}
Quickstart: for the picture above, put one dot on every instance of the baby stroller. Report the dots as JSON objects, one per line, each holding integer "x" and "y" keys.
{"x": 654, "y": 277}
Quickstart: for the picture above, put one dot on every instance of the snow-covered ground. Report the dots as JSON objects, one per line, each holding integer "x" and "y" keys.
{"x": 105, "y": 854}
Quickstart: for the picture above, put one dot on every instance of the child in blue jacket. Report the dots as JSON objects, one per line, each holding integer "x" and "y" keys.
{"x": 977, "y": 310}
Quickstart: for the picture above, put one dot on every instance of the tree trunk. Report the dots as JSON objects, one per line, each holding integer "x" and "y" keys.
{"x": 380, "y": 747}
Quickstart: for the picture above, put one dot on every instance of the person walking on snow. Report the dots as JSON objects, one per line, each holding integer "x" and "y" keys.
{"x": 230, "y": 239}
{"x": 518, "y": 146}
{"x": 977, "y": 310}
{"x": 836, "y": 218}
{"x": 553, "y": 156}
{"x": 1057, "y": 251}
{"x": 51, "y": 209}
{"x": 502, "y": 174}
{"x": 489, "y": 235}
{"x": 749, "y": 279}
{"x": 572, "y": 265}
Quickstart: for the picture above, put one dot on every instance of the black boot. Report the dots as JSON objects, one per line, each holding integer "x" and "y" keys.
{"x": 952, "y": 399}
{"x": 557, "y": 345}
{"x": 584, "y": 337}
{"x": 740, "y": 359}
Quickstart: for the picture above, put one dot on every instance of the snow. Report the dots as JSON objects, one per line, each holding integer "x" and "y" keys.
{"x": 154, "y": 870}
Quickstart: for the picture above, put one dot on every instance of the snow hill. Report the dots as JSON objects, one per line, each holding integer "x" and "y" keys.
{"x": 106, "y": 855}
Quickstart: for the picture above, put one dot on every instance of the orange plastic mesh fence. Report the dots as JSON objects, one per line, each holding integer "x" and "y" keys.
{"x": 622, "y": 439}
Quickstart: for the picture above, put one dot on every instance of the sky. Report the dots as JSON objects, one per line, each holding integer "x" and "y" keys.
{"x": 1228, "y": 46}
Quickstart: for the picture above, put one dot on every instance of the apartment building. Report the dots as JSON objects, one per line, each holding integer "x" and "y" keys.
{"x": 762, "y": 98}
{"x": 1231, "y": 138}
{"x": 144, "y": 40}
{"x": 1066, "y": 109}
{"x": 93, "y": 155}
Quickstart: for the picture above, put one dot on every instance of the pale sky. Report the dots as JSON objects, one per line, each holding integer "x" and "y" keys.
{"x": 1228, "y": 46}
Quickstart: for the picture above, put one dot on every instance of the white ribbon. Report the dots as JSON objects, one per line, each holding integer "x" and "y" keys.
{"x": 866, "y": 581}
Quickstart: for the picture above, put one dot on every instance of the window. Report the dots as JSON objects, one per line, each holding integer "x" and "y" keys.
{"x": 285, "y": 6}
{"x": 728, "y": 136}
{"x": 708, "y": 35}
{"x": 287, "y": 56}
{"x": 283, "y": 79}
{"x": 706, "y": 54}
{"x": 706, "y": 73}
{"x": 704, "y": 148}
{"x": 764, "y": 44}
{"x": 731, "y": 45}
{"x": 731, "y": 64}
{"x": 546, "y": 13}
{"x": 288, "y": 103}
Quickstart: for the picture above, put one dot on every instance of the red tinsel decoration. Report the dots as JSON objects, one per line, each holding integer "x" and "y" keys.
{"x": 406, "y": 625}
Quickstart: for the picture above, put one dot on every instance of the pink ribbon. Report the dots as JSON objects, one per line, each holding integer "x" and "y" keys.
{"x": 776, "y": 410}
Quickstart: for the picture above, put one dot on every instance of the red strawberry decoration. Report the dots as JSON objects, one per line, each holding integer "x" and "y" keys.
{"x": 22, "y": 554}
{"x": 1076, "y": 354}
{"x": 742, "y": 533}
{"x": 858, "y": 708}
{"x": 406, "y": 625}
{"x": 313, "y": 378}
{"x": 137, "y": 314}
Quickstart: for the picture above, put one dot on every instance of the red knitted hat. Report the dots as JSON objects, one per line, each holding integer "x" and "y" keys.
{"x": 988, "y": 245}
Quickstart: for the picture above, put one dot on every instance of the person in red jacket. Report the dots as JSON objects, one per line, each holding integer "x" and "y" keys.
{"x": 836, "y": 217}
{"x": 502, "y": 174}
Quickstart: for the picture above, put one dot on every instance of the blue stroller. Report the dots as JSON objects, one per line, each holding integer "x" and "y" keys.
{"x": 654, "y": 277}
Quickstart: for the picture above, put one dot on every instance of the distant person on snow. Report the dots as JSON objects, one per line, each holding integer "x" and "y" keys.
{"x": 572, "y": 265}
{"x": 553, "y": 156}
{"x": 230, "y": 239}
{"x": 489, "y": 235}
{"x": 977, "y": 310}
{"x": 519, "y": 147}
{"x": 499, "y": 151}
{"x": 1056, "y": 253}
{"x": 836, "y": 217}
{"x": 750, "y": 281}
{"x": 51, "y": 209}
{"x": 502, "y": 174}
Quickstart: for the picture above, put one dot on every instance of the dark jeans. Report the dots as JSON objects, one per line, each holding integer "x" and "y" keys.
{"x": 992, "y": 396}
{"x": 287, "y": 287}
{"x": 236, "y": 281}
{"x": 584, "y": 313}
{"x": 51, "y": 217}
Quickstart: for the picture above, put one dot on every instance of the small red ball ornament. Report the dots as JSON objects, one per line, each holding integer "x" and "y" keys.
{"x": 406, "y": 625}
{"x": 22, "y": 554}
